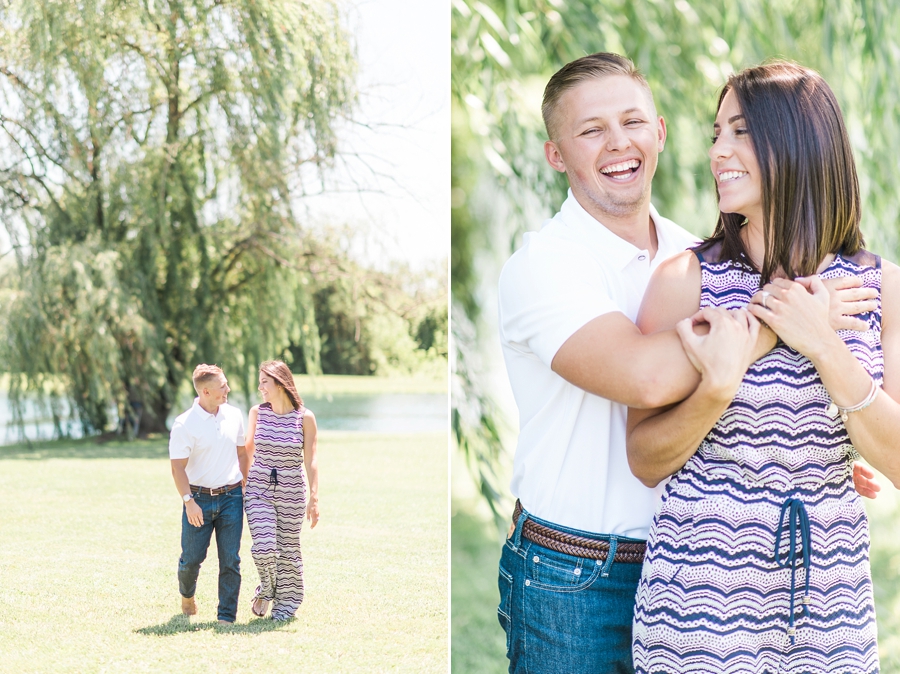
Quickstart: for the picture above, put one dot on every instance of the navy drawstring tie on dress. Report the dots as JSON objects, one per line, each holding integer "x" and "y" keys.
{"x": 273, "y": 478}
{"x": 798, "y": 522}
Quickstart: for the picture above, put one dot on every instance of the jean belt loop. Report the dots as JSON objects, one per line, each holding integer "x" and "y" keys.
{"x": 517, "y": 534}
{"x": 613, "y": 542}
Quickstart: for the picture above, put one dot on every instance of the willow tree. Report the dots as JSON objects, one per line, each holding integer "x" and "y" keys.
{"x": 504, "y": 51}
{"x": 152, "y": 154}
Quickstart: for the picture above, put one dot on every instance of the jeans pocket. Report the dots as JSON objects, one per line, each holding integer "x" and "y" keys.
{"x": 560, "y": 572}
{"x": 505, "y": 583}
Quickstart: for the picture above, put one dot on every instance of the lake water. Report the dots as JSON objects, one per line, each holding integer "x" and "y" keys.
{"x": 370, "y": 413}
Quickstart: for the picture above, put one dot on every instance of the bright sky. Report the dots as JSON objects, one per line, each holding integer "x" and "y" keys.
{"x": 404, "y": 80}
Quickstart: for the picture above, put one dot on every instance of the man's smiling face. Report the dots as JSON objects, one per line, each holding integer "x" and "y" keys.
{"x": 218, "y": 390}
{"x": 608, "y": 138}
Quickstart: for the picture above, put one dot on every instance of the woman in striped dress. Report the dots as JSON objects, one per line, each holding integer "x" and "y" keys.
{"x": 758, "y": 557}
{"x": 281, "y": 439}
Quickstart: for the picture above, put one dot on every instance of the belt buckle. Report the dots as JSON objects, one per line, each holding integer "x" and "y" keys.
{"x": 216, "y": 491}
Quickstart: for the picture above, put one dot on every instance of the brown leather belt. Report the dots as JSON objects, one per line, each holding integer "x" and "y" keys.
{"x": 578, "y": 546}
{"x": 216, "y": 491}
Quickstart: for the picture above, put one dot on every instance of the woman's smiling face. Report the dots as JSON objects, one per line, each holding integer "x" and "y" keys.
{"x": 268, "y": 387}
{"x": 733, "y": 163}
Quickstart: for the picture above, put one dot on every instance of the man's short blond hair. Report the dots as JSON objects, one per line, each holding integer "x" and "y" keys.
{"x": 204, "y": 373}
{"x": 592, "y": 67}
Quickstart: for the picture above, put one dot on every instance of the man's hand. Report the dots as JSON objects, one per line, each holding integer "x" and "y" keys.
{"x": 722, "y": 356}
{"x": 864, "y": 481}
{"x": 846, "y": 299}
{"x": 765, "y": 342}
{"x": 194, "y": 513}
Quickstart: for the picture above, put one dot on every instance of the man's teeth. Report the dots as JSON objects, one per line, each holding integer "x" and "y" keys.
{"x": 623, "y": 166}
{"x": 731, "y": 175}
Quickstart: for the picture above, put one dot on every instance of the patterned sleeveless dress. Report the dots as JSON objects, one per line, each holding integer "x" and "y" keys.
{"x": 758, "y": 556}
{"x": 275, "y": 502}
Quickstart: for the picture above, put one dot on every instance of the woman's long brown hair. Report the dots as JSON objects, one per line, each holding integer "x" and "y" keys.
{"x": 280, "y": 372}
{"x": 810, "y": 191}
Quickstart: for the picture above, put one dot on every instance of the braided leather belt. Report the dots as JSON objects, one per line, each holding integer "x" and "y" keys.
{"x": 577, "y": 546}
{"x": 217, "y": 490}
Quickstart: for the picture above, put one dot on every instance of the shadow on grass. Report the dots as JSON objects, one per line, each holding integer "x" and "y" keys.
{"x": 178, "y": 624}
{"x": 152, "y": 447}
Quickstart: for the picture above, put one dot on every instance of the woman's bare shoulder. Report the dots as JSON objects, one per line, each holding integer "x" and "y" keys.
{"x": 679, "y": 265}
{"x": 672, "y": 294}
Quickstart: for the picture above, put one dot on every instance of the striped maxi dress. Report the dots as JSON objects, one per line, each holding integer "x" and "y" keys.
{"x": 275, "y": 502}
{"x": 758, "y": 556}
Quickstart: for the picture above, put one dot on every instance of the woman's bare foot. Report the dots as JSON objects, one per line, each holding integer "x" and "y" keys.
{"x": 260, "y": 607}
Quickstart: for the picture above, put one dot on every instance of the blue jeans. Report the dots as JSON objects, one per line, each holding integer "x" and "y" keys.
{"x": 224, "y": 514}
{"x": 565, "y": 614}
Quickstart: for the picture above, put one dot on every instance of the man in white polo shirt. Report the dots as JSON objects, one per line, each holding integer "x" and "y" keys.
{"x": 209, "y": 465}
{"x": 576, "y": 361}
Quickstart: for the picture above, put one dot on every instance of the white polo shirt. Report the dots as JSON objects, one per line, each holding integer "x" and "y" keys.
{"x": 209, "y": 442}
{"x": 570, "y": 466}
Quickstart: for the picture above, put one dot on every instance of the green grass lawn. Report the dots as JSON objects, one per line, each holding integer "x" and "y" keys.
{"x": 89, "y": 542}
{"x": 478, "y": 642}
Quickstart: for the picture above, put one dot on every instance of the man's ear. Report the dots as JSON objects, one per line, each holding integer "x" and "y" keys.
{"x": 554, "y": 157}
{"x": 661, "y": 133}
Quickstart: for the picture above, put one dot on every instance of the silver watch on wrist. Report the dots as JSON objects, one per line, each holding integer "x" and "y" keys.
{"x": 187, "y": 497}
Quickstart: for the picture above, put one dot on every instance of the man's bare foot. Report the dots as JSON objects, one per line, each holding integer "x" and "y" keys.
{"x": 260, "y": 607}
{"x": 188, "y": 606}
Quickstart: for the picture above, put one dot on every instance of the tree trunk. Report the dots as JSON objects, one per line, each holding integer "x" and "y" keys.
{"x": 153, "y": 418}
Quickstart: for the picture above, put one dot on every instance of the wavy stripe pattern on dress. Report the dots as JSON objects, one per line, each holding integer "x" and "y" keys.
{"x": 276, "y": 507}
{"x": 712, "y": 596}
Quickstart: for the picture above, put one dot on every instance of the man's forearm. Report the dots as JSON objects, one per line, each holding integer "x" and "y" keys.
{"x": 660, "y": 445}
{"x": 244, "y": 461}
{"x": 610, "y": 358}
{"x": 182, "y": 484}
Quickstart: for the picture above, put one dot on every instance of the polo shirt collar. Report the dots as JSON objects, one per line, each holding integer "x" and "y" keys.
{"x": 668, "y": 241}
{"x": 615, "y": 250}
{"x": 202, "y": 412}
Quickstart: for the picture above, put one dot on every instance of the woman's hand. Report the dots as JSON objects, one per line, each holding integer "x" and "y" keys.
{"x": 312, "y": 512}
{"x": 798, "y": 312}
